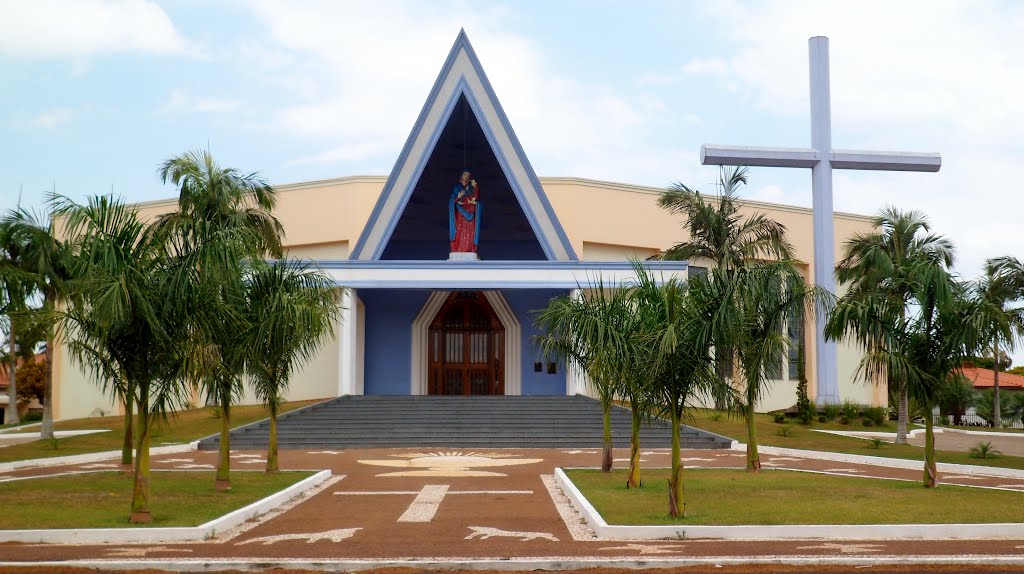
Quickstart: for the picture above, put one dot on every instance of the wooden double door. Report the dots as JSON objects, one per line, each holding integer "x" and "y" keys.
{"x": 466, "y": 347}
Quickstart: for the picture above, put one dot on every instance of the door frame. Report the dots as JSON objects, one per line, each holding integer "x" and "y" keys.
{"x": 420, "y": 338}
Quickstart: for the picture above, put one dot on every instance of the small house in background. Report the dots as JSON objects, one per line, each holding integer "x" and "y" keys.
{"x": 5, "y": 399}
{"x": 984, "y": 379}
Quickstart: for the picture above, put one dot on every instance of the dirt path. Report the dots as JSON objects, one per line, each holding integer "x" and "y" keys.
{"x": 433, "y": 504}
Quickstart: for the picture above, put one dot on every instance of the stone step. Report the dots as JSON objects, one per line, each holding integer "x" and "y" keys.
{"x": 458, "y": 422}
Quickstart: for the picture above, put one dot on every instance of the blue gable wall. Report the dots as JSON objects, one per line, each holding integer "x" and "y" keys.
{"x": 422, "y": 230}
{"x": 522, "y": 302}
{"x": 388, "y": 339}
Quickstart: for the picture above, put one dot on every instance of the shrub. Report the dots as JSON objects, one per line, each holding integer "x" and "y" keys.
{"x": 850, "y": 409}
{"x": 784, "y": 430}
{"x": 779, "y": 417}
{"x": 944, "y": 421}
{"x": 868, "y": 423}
{"x": 717, "y": 417}
{"x": 806, "y": 416}
{"x": 984, "y": 450}
{"x": 875, "y": 443}
{"x": 983, "y": 406}
{"x": 822, "y": 419}
{"x": 876, "y": 415}
{"x": 831, "y": 411}
{"x": 32, "y": 417}
{"x": 843, "y": 420}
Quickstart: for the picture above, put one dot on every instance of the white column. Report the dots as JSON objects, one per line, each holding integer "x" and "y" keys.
{"x": 575, "y": 379}
{"x": 348, "y": 345}
{"x": 821, "y": 184}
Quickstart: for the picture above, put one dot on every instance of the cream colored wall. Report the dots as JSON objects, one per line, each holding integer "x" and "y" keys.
{"x": 75, "y": 393}
{"x": 323, "y": 219}
{"x": 602, "y": 230}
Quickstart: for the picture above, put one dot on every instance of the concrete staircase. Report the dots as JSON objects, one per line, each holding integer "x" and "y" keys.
{"x": 457, "y": 422}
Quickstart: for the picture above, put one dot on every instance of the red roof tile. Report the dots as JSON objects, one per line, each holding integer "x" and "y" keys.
{"x": 983, "y": 379}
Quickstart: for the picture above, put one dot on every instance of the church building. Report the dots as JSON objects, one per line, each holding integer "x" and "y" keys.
{"x": 445, "y": 259}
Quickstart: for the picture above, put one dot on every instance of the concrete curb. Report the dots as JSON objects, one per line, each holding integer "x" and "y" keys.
{"x": 171, "y": 534}
{"x": 905, "y": 463}
{"x": 786, "y": 532}
{"x": 91, "y": 457}
{"x": 554, "y": 563}
{"x": 1017, "y": 435}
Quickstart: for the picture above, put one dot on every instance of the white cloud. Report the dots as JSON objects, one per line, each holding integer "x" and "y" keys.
{"x": 78, "y": 28}
{"x": 344, "y": 99}
{"x": 709, "y": 66}
{"x": 50, "y": 119}
{"x": 352, "y": 152}
{"x": 181, "y": 101}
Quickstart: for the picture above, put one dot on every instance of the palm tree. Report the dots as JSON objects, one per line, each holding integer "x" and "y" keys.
{"x": 128, "y": 325}
{"x": 15, "y": 288}
{"x": 46, "y": 261}
{"x": 762, "y": 298}
{"x": 957, "y": 396}
{"x": 679, "y": 326}
{"x": 590, "y": 332}
{"x": 1000, "y": 287}
{"x": 222, "y": 223}
{"x": 883, "y": 261}
{"x": 718, "y": 233}
{"x": 290, "y": 310}
{"x": 920, "y": 340}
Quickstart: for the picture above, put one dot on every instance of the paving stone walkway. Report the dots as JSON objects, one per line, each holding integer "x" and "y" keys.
{"x": 458, "y": 504}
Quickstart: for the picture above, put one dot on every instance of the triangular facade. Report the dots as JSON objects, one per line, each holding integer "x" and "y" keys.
{"x": 462, "y": 123}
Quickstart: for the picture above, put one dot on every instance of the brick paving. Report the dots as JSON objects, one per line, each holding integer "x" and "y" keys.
{"x": 457, "y": 504}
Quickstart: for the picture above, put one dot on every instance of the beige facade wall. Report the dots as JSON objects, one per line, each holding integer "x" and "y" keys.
{"x": 323, "y": 220}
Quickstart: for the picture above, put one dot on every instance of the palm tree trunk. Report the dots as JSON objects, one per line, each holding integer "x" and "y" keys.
{"x": 272, "y": 443}
{"x": 140, "y": 494}
{"x": 223, "y": 481}
{"x": 997, "y": 419}
{"x": 606, "y": 413}
{"x": 902, "y": 414}
{"x": 126, "y": 445}
{"x": 46, "y": 432}
{"x": 753, "y": 460}
{"x": 634, "y": 452}
{"x": 931, "y": 477}
{"x": 676, "y": 504}
{"x": 12, "y": 390}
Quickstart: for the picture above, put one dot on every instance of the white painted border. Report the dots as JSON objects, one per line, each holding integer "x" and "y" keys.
{"x": 172, "y": 534}
{"x": 786, "y": 532}
{"x": 550, "y": 563}
{"x": 513, "y": 341}
{"x": 906, "y": 463}
{"x": 351, "y": 331}
{"x": 91, "y": 457}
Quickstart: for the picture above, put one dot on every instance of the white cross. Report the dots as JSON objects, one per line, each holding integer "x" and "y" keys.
{"x": 821, "y": 158}
{"x": 428, "y": 499}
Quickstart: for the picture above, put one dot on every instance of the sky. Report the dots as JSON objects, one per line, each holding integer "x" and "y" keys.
{"x": 95, "y": 94}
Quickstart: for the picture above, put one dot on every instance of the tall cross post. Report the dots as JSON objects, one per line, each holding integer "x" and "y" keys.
{"x": 821, "y": 158}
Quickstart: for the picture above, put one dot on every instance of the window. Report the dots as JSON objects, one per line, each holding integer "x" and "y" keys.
{"x": 795, "y": 332}
{"x": 694, "y": 271}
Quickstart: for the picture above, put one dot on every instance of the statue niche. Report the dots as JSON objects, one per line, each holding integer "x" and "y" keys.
{"x": 464, "y": 209}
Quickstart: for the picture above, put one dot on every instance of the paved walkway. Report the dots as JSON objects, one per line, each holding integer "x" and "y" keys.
{"x": 1009, "y": 444}
{"x": 437, "y": 504}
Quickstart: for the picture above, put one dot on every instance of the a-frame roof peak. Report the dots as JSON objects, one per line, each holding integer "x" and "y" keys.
{"x": 462, "y": 76}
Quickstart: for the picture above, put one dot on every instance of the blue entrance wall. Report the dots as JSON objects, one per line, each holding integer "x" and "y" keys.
{"x": 388, "y": 339}
{"x": 522, "y": 302}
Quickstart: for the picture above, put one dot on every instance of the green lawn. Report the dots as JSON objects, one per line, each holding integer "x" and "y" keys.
{"x": 182, "y": 427}
{"x": 103, "y": 500}
{"x": 803, "y": 437}
{"x": 732, "y": 497}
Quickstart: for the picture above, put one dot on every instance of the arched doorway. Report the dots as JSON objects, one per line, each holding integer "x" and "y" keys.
{"x": 466, "y": 348}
